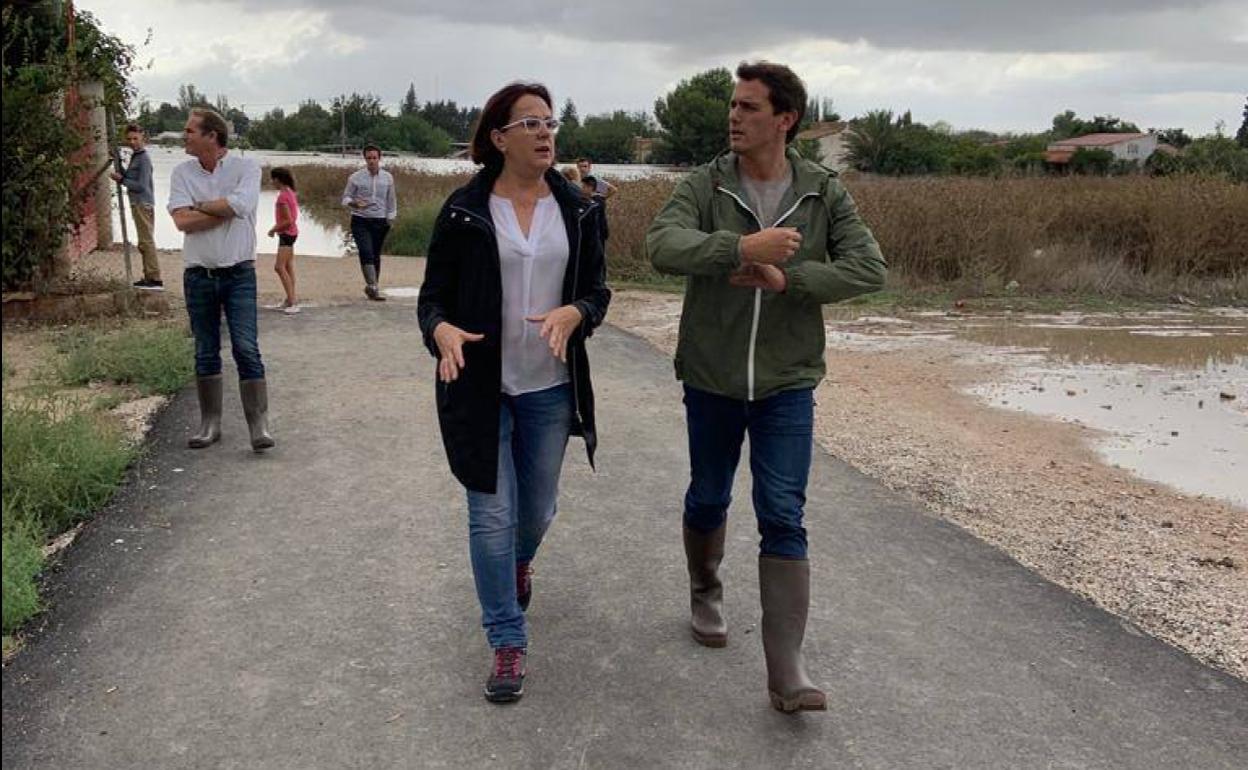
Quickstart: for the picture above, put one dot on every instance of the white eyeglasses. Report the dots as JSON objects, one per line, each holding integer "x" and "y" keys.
{"x": 533, "y": 125}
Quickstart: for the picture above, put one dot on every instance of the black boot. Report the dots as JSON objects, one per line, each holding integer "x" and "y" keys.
{"x": 209, "y": 392}
{"x": 703, "y": 553}
{"x": 255, "y": 396}
{"x": 784, "y": 588}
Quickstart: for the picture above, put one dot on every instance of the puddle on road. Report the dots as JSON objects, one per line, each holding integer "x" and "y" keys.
{"x": 1169, "y": 390}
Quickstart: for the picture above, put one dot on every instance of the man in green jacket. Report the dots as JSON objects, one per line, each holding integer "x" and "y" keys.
{"x": 765, "y": 239}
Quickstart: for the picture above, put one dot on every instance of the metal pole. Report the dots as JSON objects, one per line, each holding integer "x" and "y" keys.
{"x": 121, "y": 199}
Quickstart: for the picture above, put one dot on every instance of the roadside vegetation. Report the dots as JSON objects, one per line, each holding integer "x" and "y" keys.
{"x": 64, "y": 452}
{"x": 1114, "y": 237}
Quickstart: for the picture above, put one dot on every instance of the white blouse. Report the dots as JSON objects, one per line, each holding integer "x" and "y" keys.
{"x": 532, "y": 270}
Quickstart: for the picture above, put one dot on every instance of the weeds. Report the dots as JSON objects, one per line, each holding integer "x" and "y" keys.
{"x": 155, "y": 360}
{"x": 63, "y": 456}
{"x": 1132, "y": 236}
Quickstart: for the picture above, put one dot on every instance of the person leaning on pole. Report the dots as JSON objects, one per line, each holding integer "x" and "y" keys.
{"x": 137, "y": 179}
{"x": 371, "y": 198}
{"x": 213, "y": 199}
{"x": 764, "y": 239}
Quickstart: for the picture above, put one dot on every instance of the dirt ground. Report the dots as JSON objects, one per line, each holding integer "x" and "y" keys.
{"x": 1174, "y": 565}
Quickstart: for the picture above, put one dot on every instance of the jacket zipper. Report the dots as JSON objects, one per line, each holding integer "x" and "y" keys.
{"x": 758, "y": 293}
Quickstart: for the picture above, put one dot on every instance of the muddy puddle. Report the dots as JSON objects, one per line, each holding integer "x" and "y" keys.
{"x": 1166, "y": 392}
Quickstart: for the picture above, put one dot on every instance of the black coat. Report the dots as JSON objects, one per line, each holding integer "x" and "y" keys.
{"x": 463, "y": 286}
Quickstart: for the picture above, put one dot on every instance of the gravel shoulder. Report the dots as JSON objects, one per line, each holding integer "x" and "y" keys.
{"x": 1175, "y": 565}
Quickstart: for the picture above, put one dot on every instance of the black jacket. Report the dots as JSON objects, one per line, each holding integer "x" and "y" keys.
{"x": 463, "y": 286}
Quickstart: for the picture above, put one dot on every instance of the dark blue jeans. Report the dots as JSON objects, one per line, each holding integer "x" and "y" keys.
{"x": 781, "y": 430}
{"x": 369, "y": 234}
{"x": 232, "y": 291}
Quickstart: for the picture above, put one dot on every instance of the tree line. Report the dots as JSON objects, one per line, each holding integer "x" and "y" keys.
{"x": 687, "y": 127}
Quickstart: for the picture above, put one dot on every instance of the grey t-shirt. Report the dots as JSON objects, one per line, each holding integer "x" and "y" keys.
{"x": 764, "y": 197}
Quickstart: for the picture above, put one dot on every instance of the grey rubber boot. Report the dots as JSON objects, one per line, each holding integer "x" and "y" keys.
{"x": 784, "y": 589}
{"x": 370, "y": 283}
{"x": 255, "y": 394}
{"x": 703, "y": 553}
{"x": 209, "y": 391}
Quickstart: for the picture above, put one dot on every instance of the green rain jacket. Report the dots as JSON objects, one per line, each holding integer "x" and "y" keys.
{"x": 747, "y": 343}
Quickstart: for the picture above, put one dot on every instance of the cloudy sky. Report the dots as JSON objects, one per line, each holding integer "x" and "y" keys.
{"x": 974, "y": 63}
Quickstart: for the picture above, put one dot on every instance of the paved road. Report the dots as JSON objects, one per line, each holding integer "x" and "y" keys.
{"x": 313, "y": 608}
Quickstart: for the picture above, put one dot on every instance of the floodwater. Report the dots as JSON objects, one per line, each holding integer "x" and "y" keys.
{"x": 1168, "y": 391}
{"x": 317, "y": 237}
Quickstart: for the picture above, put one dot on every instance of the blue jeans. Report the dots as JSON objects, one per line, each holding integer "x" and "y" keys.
{"x": 369, "y": 234}
{"x": 781, "y": 430}
{"x": 507, "y": 527}
{"x": 231, "y": 290}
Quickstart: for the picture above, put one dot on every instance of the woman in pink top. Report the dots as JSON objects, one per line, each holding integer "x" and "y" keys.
{"x": 286, "y": 214}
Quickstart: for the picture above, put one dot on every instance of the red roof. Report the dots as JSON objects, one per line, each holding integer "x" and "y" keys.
{"x": 1098, "y": 140}
{"x": 1058, "y": 156}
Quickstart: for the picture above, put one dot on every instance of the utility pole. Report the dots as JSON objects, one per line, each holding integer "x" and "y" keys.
{"x": 342, "y": 131}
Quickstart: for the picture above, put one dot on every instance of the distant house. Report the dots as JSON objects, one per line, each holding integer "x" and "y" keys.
{"x": 1129, "y": 147}
{"x": 831, "y": 138}
{"x": 168, "y": 137}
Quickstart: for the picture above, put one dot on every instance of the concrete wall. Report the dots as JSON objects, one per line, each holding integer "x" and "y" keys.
{"x": 92, "y": 100}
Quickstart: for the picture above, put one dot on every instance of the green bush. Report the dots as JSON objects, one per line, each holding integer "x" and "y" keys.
{"x": 156, "y": 360}
{"x": 42, "y": 170}
{"x": 409, "y": 237}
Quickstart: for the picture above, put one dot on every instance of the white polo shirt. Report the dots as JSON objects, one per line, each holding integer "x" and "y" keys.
{"x": 237, "y": 180}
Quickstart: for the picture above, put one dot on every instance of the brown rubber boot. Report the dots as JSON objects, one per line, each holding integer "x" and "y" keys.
{"x": 784, "y": 588}
{"x": 255, "y": 396}
{"x": 209, "y": 392}
{"x": 703, "y": 553}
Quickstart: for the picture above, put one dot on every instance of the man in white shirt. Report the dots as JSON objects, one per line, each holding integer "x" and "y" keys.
{"x": 213, "y": 199}
{"x": 370, "y": 196}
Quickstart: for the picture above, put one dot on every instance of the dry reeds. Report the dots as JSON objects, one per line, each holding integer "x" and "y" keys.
{"x": 1120, "y": 235}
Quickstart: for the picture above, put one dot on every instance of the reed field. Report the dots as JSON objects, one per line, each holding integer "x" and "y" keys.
{"x": 1115, "y": 236}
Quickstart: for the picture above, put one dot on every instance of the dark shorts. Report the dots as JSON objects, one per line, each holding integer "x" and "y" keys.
{"x": 286, "y": 240}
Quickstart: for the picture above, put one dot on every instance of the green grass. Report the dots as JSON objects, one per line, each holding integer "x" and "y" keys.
{"x": 22, "y": 562}
{"x": 409, "y": 237}
{"x": 59, "y": 465}
{"x": 155, "y": 360}
{"x": 63, "y": 457}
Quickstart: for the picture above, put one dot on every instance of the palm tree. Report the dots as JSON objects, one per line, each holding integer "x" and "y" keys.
{"x": 871, "y": 139}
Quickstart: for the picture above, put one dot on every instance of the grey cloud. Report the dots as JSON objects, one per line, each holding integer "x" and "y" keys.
{"x": 1204, "y": 29}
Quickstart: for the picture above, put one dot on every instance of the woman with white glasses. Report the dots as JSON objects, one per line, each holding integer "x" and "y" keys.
{"x": 515, "y": 283}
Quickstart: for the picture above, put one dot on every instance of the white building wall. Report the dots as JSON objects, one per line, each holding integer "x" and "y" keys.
{"x": 1135, "y": 150}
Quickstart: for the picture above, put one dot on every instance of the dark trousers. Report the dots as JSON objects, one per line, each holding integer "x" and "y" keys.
{"x": 781, "y": 430}
{"x": 369, "y": 234}
{"x": 230, "y": 291}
